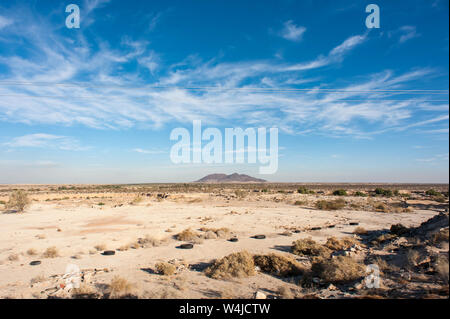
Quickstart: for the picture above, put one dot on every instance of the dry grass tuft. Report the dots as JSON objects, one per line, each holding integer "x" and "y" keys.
{"x": 439, "y": 237}
{"x": 278, "y": 265}
{"x": 412, "y": 257}
{"x": 330, "y": 204}
{"x": 442, "y": 268}
{"x": 309, "y": 247}
{"x": 31, "y": 252}
{"x": 187, "y": 235}
{"x": 149, "y": 241}
{"x": 138, "y": 199}
{"x": 340, "y": 269}
{"x": 340, "y": 244}
{"x": 212, "y": 233}
{"x": 13, "y": 257}
{"x": 235, "y": 265}
{"x": 360, "y": 231}
{"x": 120, "y": 288}
{"x": 18, "y": 201}
{"x": 165, "y": 269}
{"x": 51, "y": 252}
{"x": 85, "y": 291}
{"x": 285, "y": 293}
{"x": 100, "y": 247}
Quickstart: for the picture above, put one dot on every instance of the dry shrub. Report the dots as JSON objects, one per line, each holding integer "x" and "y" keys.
{"x": 340, "y": 269}
{"x": 235, "y": 265}
{"x": 345, "y": 243}
{"x": 360, "y": 231}
{"x": 85, "y": 291}
{"x": 149, "y": 241}
{"x": 210, "y": 235}
{"x": 442, "y": 268}
{"x": 124, "y": 247}
{"x": 187, "y": 235}
{"x": 285, "y": 293}
{"x": 383, "y": 265}
{"x": 330, "y": 204}
{"x": 18, "y": 201}
{"x": 278, "y": 265}
{"x": 384, "y": 238}
{"x": 138, "y": 199}
{"x": 13, "y": 257}
{"x": 309, "y": 247}
{"x": 120, "y": 288}
{"x": 37, "y": 279}
{"x": 100, "y": 247}
{"x": 412, "y": 257}
{"x": 165, "y": 269}
{"x": 218, "y": 232}
{"x": 381, "y": 207}
{"x": 32, "y": 252}
{"x": 51, "y": 252}
{"x": 441, "y": 236}
{"x": 240, "y": 193}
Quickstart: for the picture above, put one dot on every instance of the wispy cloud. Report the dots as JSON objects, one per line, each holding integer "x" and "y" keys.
{"x": 4, "y": 22}
{"x": 43, "y": 140}
{"x": 292, "y": 32}
{"x": 404, "y": 33}
{"x": 143, "y": 151}
{"x": 177, "y": 93}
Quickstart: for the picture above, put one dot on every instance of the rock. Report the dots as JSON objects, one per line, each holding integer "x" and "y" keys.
{"x": 186, "y": 246}
{"x": 108, "y": 253}
{"x": 260, "y": 295}
{"x": 233, "y": 240}
{"x": 353, "y": 224}
{"x": 316, "y": 280}
{"x": 332, "y": 287}
{"x": 35, "y": 262}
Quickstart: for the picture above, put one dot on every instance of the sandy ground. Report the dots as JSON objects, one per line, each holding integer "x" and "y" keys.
{"x": 81, "y": 230}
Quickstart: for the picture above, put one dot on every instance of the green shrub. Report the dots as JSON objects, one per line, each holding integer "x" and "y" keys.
{"x": 432, "y": 192}
{"x": 383, "y": 192}
{"x": 360, "y": 194}
{"x": 340, "y": 192}
{"x": 304, "y": 190}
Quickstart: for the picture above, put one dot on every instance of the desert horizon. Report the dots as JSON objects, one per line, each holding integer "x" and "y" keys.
{"x": 224, "y": 158}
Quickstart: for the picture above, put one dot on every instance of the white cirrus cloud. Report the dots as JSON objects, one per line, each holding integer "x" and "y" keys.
{"x": 43, "y": 140}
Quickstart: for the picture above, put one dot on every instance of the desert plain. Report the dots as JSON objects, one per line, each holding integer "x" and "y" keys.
{"x": 262, "y": 240}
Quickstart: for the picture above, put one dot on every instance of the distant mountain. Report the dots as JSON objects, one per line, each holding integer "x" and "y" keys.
{"x": 232, "y": 178}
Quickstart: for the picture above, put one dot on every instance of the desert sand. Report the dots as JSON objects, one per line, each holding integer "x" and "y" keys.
{"x": 140, "y": 223}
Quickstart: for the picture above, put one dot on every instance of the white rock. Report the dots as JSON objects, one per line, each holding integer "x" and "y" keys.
{"x": 260, "y": 295}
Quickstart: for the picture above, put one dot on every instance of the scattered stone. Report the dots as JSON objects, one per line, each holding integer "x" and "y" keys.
{"x": 332, "y": 287}
{"x": 316, "y": 228}
{"x": 260, "y": 295}
{"x": 35, "y": 262}
{"x": 108, "y": 253}
{"x": 186, "y": 246}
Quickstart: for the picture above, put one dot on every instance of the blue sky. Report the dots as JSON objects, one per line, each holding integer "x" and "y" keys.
{"x": 97, "y": 104}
